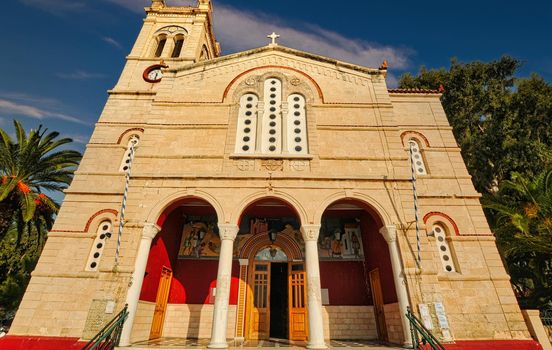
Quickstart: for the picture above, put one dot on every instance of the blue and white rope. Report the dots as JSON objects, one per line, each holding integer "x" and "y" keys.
{"x": 123, "y": 205}
{"x": 416, "y": 218}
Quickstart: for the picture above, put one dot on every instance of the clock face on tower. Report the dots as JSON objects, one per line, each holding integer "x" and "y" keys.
{"x": 153, "y": 74}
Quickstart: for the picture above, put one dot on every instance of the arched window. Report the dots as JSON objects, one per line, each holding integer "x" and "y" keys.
{"x": 178, "y": 44}
{"x": 417, "y": 157}
{"x": 246, "y": 136}
{"x": 296, "y": 125}
{"x": 268, "y": 131}
{"x": 271, "y": 139}
{"x": 161, "y": 42}
{"x": 445, "y": 253}
{"x": 103, "y": 233}
{"x": 127, "y": 158}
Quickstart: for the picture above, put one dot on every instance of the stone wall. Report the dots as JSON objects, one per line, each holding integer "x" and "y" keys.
{"x": 394, "y": 323}
{"x": 181, "y": 321}
{"x": 349, "y": 322}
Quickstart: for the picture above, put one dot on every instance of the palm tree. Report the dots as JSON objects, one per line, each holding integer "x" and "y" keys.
{"x": 30, "y": 166}
{"x": 523, "y": 225}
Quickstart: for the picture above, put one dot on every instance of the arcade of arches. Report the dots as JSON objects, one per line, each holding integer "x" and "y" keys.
{"x": 272, "y": 289}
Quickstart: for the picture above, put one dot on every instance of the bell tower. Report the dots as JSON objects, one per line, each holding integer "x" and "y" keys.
{"x": 171, "y": 36}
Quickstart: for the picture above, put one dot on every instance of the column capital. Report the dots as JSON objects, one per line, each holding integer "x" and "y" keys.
{"x": 150, "y": 231}
{"x": 228, "y": 231}
{"x": 310, "y": 232}
{"x": 389, "y": 233}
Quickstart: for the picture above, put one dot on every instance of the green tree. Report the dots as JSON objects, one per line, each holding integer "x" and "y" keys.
{"x": 502, "y": 124}
{"x": 30, "y": 165}
{"x": 523, "y": 227}
{"x": 17, "y": 261}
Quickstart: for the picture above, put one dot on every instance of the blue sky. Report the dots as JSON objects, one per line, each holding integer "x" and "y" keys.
{"x": 59, "y": 57}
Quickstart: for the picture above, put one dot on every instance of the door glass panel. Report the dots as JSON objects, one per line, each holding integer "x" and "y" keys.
{"x": 271, "y": 254}
{"x": 298, "y": 267}
{"x": 261, "y": 267}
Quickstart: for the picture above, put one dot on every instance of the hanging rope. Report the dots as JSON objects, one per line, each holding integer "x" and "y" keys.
{"x": 123, "y": 204}
{"x": 413, "y": 168}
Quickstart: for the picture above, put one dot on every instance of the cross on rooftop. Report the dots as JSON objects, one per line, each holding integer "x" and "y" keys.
{"x": 273, "y": 36}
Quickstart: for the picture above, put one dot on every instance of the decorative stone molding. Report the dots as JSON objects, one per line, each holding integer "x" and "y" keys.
{"x": 272, "y": 164}
{"x": 310, "y": 232}
{"x": 295, "y": 81}
{"x": 245, "y": 165}
{"x": 299, "y": 165}
{"x": 150, "y": 231}
{"x": 228, "y": 231}
{"x": 389, "y": 233}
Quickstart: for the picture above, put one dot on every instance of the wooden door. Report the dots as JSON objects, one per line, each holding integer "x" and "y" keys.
{"x": 377, "y": 297}
{"x": 259, "y": 301}
{"x": 297, "y": 302}
{"x": 161, "y": 303}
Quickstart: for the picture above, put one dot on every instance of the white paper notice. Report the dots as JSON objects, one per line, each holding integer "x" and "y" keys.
{"x": 426, "y": 317}
{"x": 441, "y": 315}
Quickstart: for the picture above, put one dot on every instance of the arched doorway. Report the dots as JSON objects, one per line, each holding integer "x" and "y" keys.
{"x": 356, "y": 273}
{"x": 176, "y": 300}
{"x": 274, "y": 294}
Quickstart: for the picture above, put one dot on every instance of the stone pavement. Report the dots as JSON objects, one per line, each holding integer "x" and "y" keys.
{"x": 193, "y": 344}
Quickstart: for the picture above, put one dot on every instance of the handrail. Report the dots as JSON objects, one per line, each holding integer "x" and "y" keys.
{"x": 421, "y": 336}
{"x": 108, "y": 338}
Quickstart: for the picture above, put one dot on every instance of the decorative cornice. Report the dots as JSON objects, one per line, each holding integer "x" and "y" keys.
{"x": 389, "y": 233}
{"x": 150, "y": 231}
{"x": 228, "y": 231}
{"x": 310, "y": 232}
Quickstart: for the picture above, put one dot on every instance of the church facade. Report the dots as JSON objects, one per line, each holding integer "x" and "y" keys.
{"x": 269, "y": 195}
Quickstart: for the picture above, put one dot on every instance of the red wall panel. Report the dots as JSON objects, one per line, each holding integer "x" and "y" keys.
{"x": 192, "y": 279}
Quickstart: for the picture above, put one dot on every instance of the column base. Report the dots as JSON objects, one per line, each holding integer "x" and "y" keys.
{"x": 217, "y": 346}
{"x": 317, "y": 346}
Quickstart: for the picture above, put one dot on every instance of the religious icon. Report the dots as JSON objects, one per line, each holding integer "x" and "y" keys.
{"x": 355, "y": 244}
{"x": 340, "y": 239}
{"x": 337, "y": 245}
{"x": 199, "y": 239}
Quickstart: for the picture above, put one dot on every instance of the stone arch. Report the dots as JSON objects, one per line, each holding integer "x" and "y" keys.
{"x": 99, "y": 216}
{"x": 372, "y": 205}
{"x": 438, "y": 217}
{"x": 308, "y": 77}
{"x": 258, "y": 242}
{"x": 256, "y": 196}
{"x": 419, "y": 137}
{"x": 155, "y": 214}
{"x": 125, "y": 135}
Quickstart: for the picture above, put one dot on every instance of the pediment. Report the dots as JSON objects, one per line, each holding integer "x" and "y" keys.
{"x": 213, "y": 81}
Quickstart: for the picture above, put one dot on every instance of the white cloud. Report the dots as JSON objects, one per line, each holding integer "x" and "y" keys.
{"x": 112, "y": 42}
{"x": 15, "y": 107}
{"x": 81, "y": 75}
{"x": 239, "y": 30}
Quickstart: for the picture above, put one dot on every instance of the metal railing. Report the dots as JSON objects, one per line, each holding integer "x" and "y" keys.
{"x": 546, "y": 318}
{"x": 421, "y": 336}
{"x": 108, "y": 338}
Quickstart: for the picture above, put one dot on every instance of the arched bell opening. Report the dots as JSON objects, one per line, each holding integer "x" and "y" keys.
{"x": 272, "y": 295}
{"x": 356, "y": 273}
{"x": 178, "y": 292}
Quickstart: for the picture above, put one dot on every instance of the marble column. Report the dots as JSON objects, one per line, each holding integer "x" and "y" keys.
{"x": 314, "y": 298}
{"x": 133, "y": 294}
{"x": 228, "y": 234}
{"x": 389, "y": 232}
